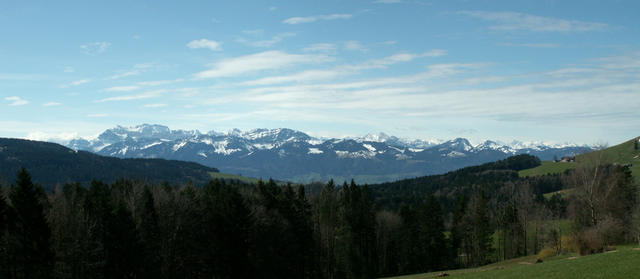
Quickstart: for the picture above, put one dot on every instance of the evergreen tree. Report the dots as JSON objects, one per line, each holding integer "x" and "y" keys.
{"x": 228, "y": 224}
{"x": 304, "y": 233}
{"x": 478, "y": 230}
{"x": 149, "y": 236}
{"x": 98, "y": 208}
{"x": 458, "y": 233}
{"x": 30, "y": 237}
{"x": 432, "y": 233}
{"x": 70, "y": 231}
{"x": 122, "y": 245}
{"x": 5, "y": 265}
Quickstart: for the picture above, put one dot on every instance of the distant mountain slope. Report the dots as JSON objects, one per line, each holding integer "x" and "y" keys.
{"x": 624, "y": 153}
{"x": 286, "y": 154}
{"x": 51, "y": 163}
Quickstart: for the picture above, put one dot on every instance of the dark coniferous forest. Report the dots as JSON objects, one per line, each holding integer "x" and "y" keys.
{"x": 229, "y": 229}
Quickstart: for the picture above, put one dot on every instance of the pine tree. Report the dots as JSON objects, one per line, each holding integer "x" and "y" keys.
{"x": 122, "y": 245}
{"x": 5, "y": 265}
{"x": 149, "y": 236}
{"x": 30, "y": 237}
{"x": 98, "y": 207}
{"x": 432, "y": 233}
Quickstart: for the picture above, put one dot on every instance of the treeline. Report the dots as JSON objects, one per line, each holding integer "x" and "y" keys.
{"x": 228, "y": 229}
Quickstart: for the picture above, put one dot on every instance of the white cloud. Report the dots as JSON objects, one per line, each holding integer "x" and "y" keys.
{"x": 134, "y": 71}
{"x": 69, "y": 69}
{"x": 354, "y": 45}
{"x": 12, "y": 76}
{"x": 95, "y": 48}
{"x": 51, "y": 104}
{"x": 309, "y": 19}
{"x": 122, "y": 88}
{"x": 75, "y": 83}
{"x": 258, "y": 62}
{"x": 145, "y": 95}
{"x": 435, "y": 53}
{"x": 305, "y": 76}
{"x": 154, "y": 105}
{"x": 314, "y": 75}
{"x": 16, "y": 101}
{"x": 124, "y": 74}
{"x": 513, "y": 21}
{"x": 55, "y": 137}
{"x": 267, "y": 43}
{"x": 321, "y": 47}
{"x": 204, "y": 43}
{"x": 159, "y": 82}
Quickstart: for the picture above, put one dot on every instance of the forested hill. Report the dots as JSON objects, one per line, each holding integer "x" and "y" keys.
{"x": 449, "y": 187}
{"x": 51, "y": 163}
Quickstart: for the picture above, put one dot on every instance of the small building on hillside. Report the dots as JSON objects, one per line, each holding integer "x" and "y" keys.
{"x": 568, "y": 159}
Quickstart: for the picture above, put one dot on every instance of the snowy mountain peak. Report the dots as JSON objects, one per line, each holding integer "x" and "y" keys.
{"x": 286, "y": 154}
{"x": 379, "y": 137}
{"x": 459, "y": 144}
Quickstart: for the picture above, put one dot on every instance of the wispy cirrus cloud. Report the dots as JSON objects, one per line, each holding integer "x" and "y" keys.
{"x": 95, "y": 47}
{"x": 145, "y": 95}
{"x": 16, "y": 101}
{"x": 315, "y": 75}
{"x": 75, "y": 83}
{"x": 354, "y": 46}
{"x": 154, "y": 105}
{"x": 266, "y": 43}
{"x": 51, "y": 104}
{"x": 205, "y": 43}
{"x": 514, "y": 21}
{"x": 122, "y": 88}
{"x": 137, "y": 69}
{"x": 309, "y": 19}
{"x": 259, "y": 62}
{"x": 320, "y": 47}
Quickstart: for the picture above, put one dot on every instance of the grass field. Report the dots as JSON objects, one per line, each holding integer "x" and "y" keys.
{"x": 547, "y": 167}
{"x": 228, "y": 176}
{"x": 621, "y": 263}
{"x": 624, "y": 153}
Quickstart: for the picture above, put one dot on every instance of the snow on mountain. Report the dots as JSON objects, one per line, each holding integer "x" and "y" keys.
{"x": 288, "y": 154}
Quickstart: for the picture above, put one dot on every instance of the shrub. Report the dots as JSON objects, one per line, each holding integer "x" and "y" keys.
{"x": 547, "y": 252}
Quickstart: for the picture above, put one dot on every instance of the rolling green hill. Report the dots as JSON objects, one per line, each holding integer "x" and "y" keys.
{"x": 624, "y": 153}
{"x": 51, "y": 164}
{"x": 621, "y": 263}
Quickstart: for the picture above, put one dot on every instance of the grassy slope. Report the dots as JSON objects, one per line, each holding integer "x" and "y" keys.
{"x": 547, "y": 167}
{"x": 228, "y": 176}
{"x": 622, "y": 263}
{"x": 623, "y": 153}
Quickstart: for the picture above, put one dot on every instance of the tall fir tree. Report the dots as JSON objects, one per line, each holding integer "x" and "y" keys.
{"x": 432, "y": 234}
{"x": 5, "y": 265}
{"x": 30, "y": 237}
{"x": 149, "y": 236}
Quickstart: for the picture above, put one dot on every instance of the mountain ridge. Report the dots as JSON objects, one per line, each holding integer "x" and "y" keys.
{"x": 287, "y": 154}
{"x": 51, "y": 164}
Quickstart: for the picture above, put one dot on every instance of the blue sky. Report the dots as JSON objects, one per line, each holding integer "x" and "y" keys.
{"x": 555, "y": 71}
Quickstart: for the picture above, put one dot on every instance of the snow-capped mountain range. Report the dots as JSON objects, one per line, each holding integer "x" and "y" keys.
{"x": 291, "y": 155}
